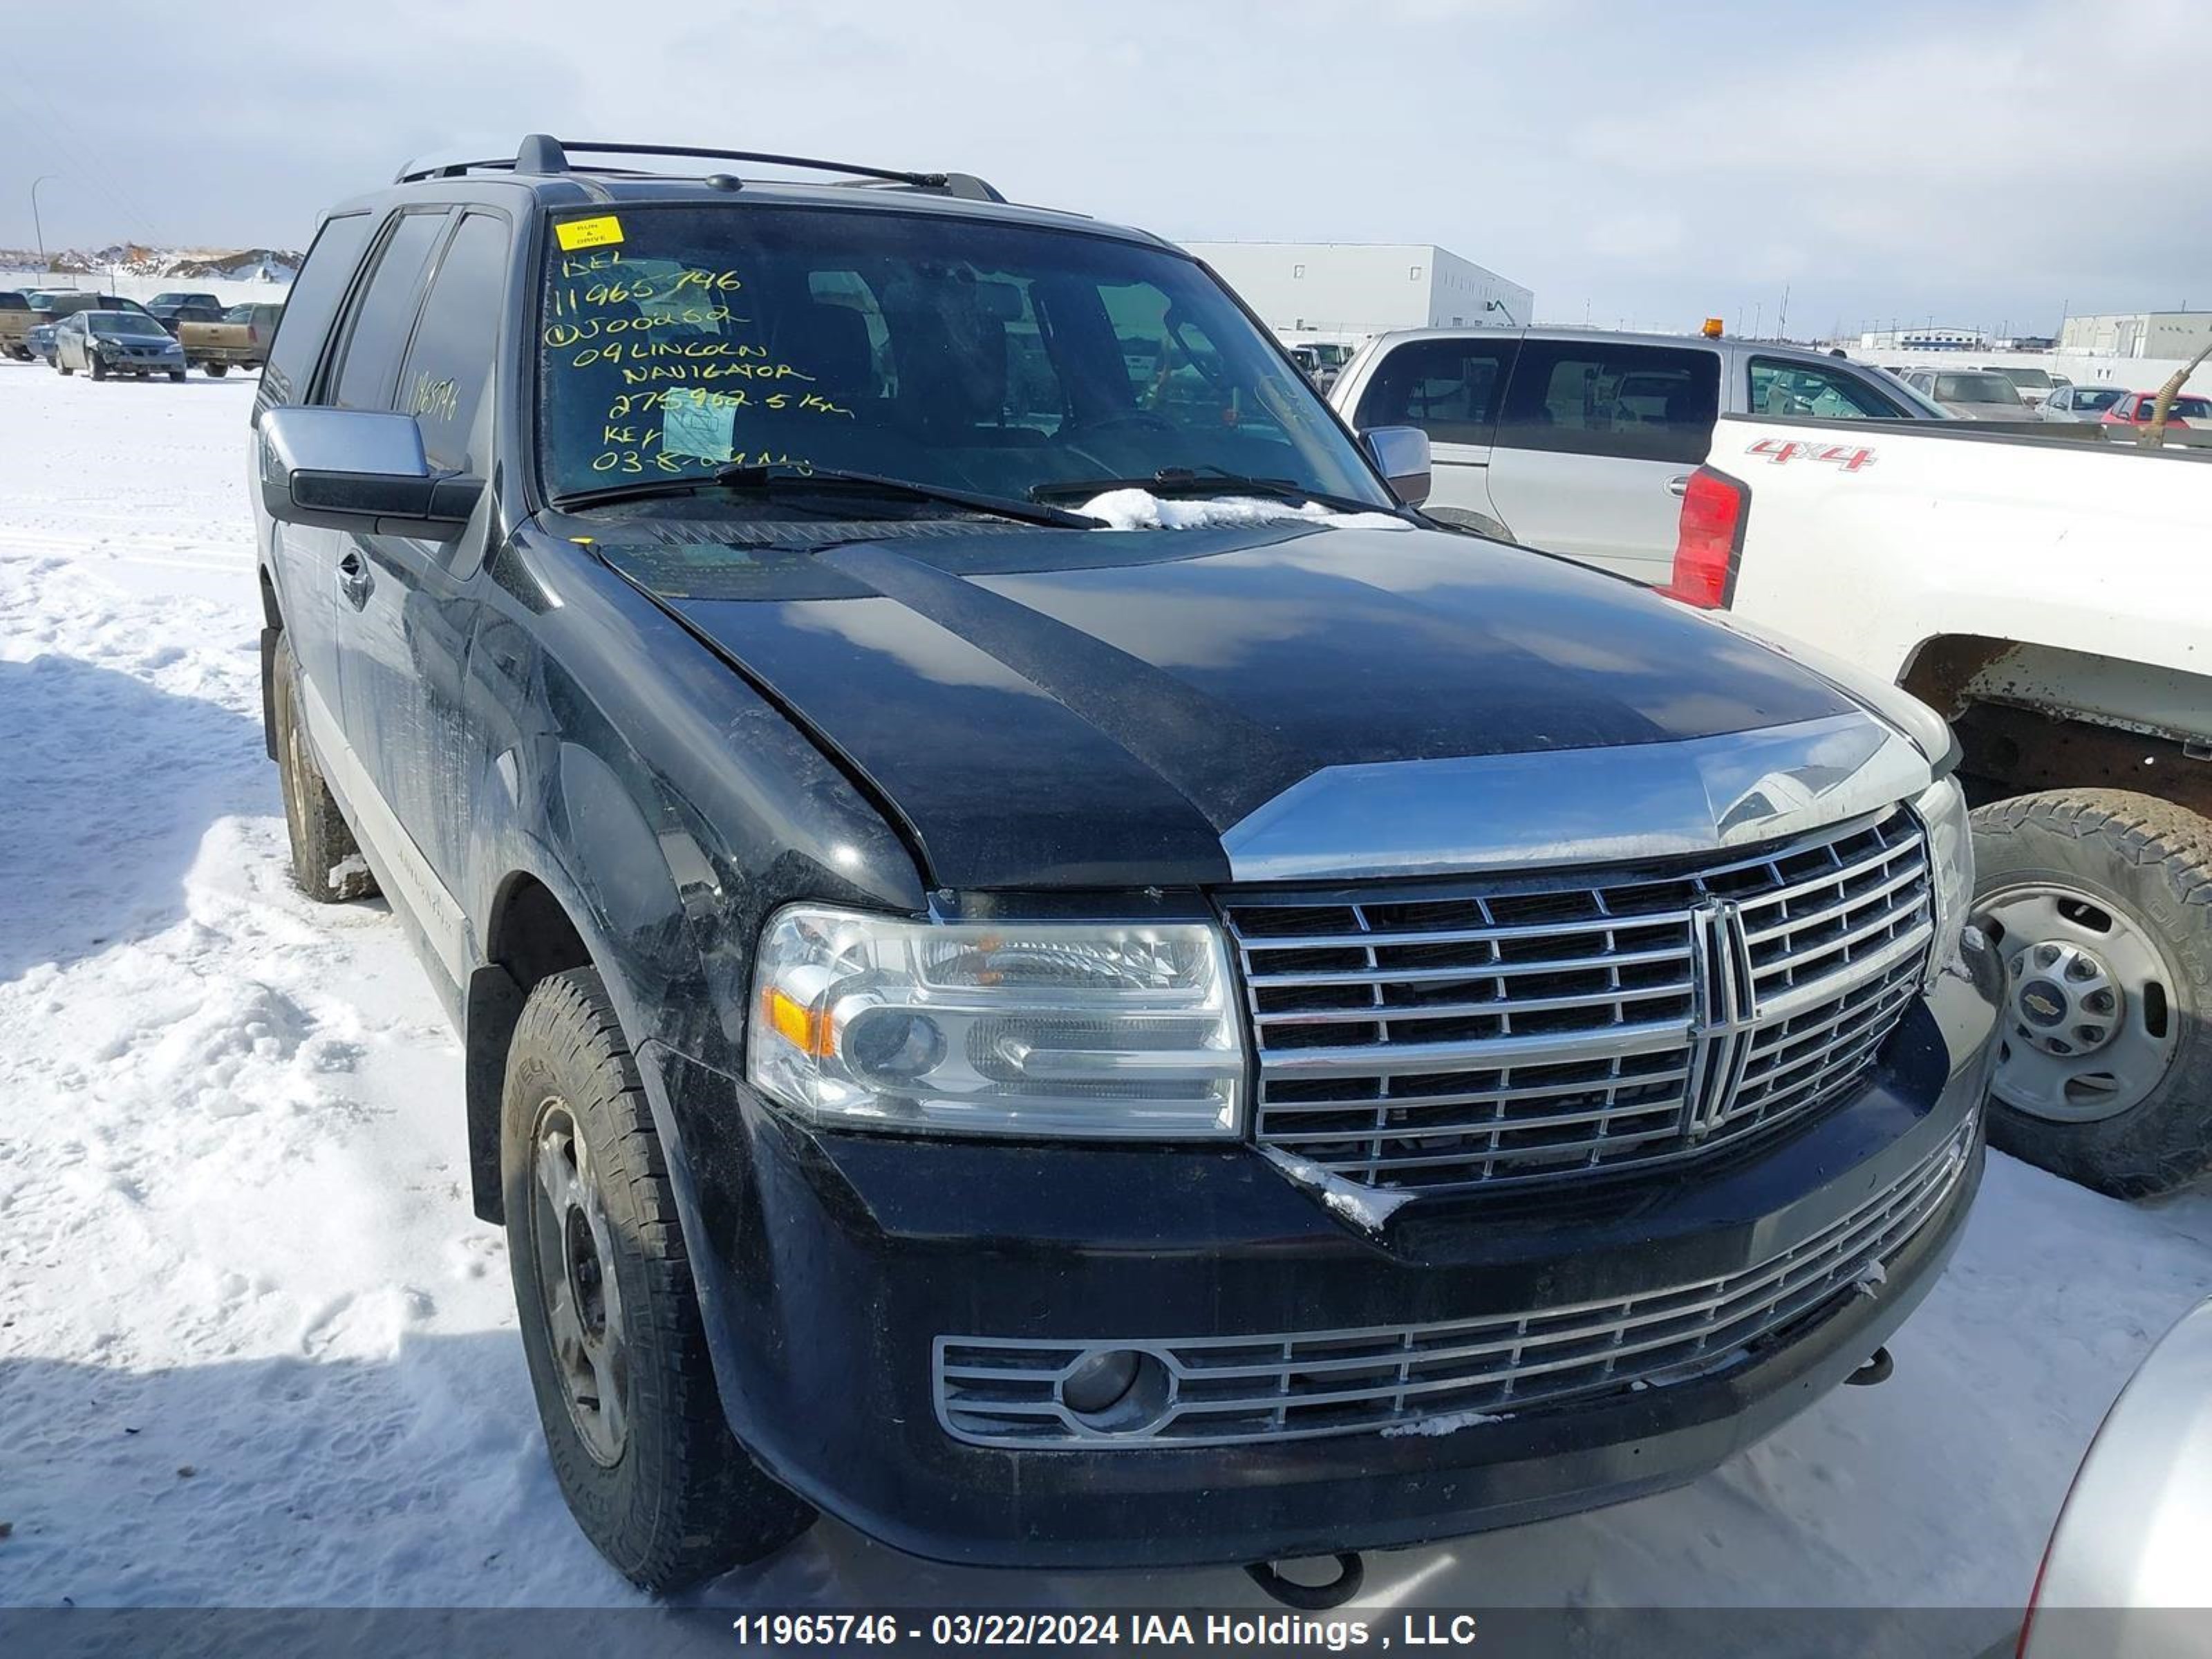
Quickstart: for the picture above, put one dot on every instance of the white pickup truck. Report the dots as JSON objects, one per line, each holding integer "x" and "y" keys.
{"x": 2054, "y": 601}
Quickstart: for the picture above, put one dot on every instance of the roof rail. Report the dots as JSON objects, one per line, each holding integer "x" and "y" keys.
{"x": 542, "y": 155}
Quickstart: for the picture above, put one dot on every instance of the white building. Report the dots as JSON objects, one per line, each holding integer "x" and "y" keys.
{"x": 2139, "y": 333}
{"x": 1347, "y": 291}
{"x": 1922, "y": 339}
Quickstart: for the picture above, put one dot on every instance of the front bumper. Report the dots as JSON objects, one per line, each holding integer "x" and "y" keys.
{"x": 830, "y": 1265}
{"x": 165, "y": 365}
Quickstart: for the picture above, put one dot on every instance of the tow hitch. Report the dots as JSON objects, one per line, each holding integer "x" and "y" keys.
{"x": 1876, "y": 1370}
{"x": 1351, "y": 1573}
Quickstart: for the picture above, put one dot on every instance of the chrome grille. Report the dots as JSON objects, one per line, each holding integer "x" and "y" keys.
{"x": 1443, "y": 1038}
{"x": 1433, "y": 1378}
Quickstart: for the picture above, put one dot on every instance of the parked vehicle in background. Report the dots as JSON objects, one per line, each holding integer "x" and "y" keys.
{"x": 1321, "y": 360}
{"x": 2033, "y": 384}
{"x": 105, "y": 343}
{"x": 1060, "y": 1043}
{"x": 169, "y": 307}
{"x": 1970, "y": 394}
{"x": 192, "y": 311}
{"x": 2051, "y": 600}
{"x": 41, "y": 340}
{"x": 238, "y": 338}
{"x": 51, "y": 305}
{"x": 16, "y": 320}
{"x": 2136, "y": 408}
{"x": 1578, "y": 442}
{"x": 2123, "y": 1575}
{"x": 2076, "y": 404}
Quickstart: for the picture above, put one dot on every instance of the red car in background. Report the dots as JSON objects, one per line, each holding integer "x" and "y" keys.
{"x": 2134, "y": 407}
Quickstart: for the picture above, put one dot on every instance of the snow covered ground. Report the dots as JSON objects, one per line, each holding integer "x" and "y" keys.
{"x": 253, "y": 1348}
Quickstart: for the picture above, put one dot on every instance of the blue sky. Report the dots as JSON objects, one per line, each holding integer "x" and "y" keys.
{"x": 1635, "y": 163}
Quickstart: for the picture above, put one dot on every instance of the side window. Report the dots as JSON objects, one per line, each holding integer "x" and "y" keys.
{"x": 376, "y": 333}
{"x": 450, "y": 362}
{"x": 1782, "y": 387}
{"x": 1628, "y": 401}
{"x": 1450, "y": 389}
{"x": 313, "y": 303}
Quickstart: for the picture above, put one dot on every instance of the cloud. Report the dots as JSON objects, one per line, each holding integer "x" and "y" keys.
{"x": 1657, "y": 163}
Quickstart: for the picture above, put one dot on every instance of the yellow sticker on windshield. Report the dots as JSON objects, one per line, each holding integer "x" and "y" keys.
{"x": 602, "y": 231}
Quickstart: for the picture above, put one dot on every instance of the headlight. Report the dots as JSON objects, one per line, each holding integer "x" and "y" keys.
{"x": 1941, "y": 809}
{"x": 1105, "y": 1030}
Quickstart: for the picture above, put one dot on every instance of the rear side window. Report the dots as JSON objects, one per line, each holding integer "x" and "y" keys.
{"x": 377, "y": 334}
{"x": 313, "y": 303}
{"x": 450, "y": 360}
{"x": 1450, "y": 389}
{"x": 1627, "y": 402}
{"x": 14, "y": 302}
{"x": 1779, "y": 386}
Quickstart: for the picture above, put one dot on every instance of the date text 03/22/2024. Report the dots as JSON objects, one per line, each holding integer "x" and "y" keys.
{"x": 1219, "y": 1632}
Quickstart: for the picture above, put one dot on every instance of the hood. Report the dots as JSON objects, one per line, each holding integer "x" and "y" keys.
{"x": 1058, "y": 709}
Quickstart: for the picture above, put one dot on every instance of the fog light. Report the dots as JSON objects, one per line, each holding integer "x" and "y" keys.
{"x": 1118, "y": 1390}
{"x": 1100, "y": 1380}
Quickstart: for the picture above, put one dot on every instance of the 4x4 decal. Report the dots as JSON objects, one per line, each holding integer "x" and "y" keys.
{"x": 1849, "y": 457}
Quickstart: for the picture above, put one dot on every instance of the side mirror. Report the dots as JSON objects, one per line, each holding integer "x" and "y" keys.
{"x": 358, "y": 469}
{"x": 1401, "y": 454}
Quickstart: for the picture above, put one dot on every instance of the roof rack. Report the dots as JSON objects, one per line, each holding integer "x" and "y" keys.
{"x": 542, "y": 155}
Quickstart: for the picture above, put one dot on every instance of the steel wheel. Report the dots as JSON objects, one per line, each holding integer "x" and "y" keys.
{"x": 577, "y": 1284}
{"x": 2088, "y": 1025}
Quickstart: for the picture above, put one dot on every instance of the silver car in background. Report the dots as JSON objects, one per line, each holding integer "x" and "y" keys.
{"x": 2079, "y": 405}
{"x": 1580, "y": 442}
{"x": 1971, "y": 394}
{"x": 108, "y": 342}
{"x": 2033, "y": 384}
{"x": 2127, "y": 1574}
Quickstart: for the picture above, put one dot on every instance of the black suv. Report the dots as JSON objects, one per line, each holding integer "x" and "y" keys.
{"x": 1045, "y": 966}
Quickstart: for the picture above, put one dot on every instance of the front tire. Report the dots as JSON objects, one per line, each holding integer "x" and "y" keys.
{"x": 94, "y": 366}
{"x": 609, "y": 1310}
{"x": 176, "y": 374}
{"x": 2099, "y": 904}
{"x": 326, "y": 861}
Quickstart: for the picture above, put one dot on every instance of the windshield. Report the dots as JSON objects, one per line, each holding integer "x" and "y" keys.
{"x": 1975, "y": 389}
{"x": 990, "y": 358}
{"x": 2026, "y": 379}
{"x": 123, "y": 322}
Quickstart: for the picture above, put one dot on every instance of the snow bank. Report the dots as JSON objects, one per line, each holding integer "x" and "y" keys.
{"x": 1139, "y": 509}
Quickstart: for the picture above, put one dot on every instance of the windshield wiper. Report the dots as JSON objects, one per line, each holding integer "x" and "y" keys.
{"x": 769, "y": 479}
{"x": 1207, "y": 481}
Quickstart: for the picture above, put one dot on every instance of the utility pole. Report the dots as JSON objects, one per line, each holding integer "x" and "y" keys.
{"x": 38, "y": 229}
{"x": 1782, "y": 316}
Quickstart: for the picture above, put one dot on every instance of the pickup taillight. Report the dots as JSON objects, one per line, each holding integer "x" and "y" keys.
{"x": 1709, "y": 540}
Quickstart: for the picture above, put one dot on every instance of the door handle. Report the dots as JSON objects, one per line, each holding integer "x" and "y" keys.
{"x": 1678, "y": 485}
{"x": 354, "y": 580}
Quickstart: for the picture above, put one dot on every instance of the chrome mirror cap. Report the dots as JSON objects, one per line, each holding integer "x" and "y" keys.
{"x": 1401, "y": 454}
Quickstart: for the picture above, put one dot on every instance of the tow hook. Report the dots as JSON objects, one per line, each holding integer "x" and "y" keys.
{"x": 1351, "y": 1573}
{"x": 1876, "y": 1370}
